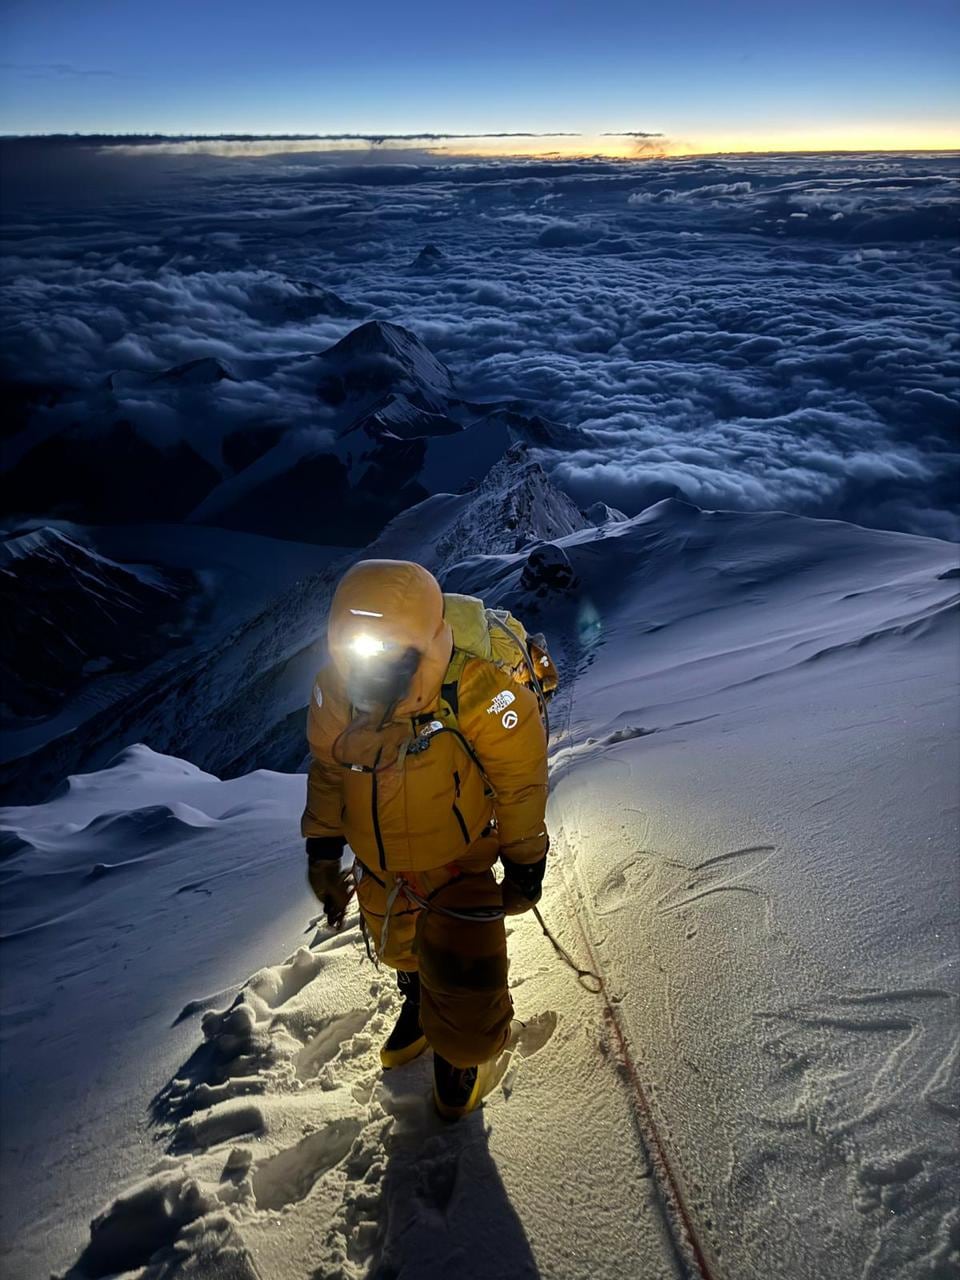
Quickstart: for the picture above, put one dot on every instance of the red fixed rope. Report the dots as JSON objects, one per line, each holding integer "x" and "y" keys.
{"x": 660, "y": 1158}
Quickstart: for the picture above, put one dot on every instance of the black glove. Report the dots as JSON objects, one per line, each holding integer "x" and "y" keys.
{"x": 522, "y": 884}
{"x": 333, "y": 886}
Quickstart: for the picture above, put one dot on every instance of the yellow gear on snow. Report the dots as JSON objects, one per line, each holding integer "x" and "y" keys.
{"x": 420, "y": 791}
{"x": 390, "y": 1058}
{"x": 498, "y": 637}
{"x": 429, "y": 791}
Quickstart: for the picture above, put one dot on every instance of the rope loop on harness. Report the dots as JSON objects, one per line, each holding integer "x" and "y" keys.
{"x": 391, "y": 899}
{"x": 587, "y": 979}
{"x": 471, "y": 914}
{"x": 370, "y": 949}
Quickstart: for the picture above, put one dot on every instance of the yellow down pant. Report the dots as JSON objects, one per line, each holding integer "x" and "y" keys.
{"x": 465, "y": 1005}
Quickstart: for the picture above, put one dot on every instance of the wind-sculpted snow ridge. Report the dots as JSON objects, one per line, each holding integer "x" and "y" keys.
{"x": 600, "y": 513}
{"x": 515, "y": 506}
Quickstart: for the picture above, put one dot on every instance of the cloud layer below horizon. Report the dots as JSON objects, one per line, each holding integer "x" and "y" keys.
{"x": 748, "y": 333}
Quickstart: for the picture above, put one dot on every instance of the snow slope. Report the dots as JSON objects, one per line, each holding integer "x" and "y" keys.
{"x": 240, "y": 702}
{"x": 754, "y": 823}
{"x": 280, "y": 1116}
{"x": 755, "y": 804}
{"x": 71, "y": 612}
{"x": 237, "y": 573}
{"x": 130, "y": 893}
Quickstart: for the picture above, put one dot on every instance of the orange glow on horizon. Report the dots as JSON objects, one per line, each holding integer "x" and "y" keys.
{"x": 931, "y": 136}
{"x": 924, "y": 136}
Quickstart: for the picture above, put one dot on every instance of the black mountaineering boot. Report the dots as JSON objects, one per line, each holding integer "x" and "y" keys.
{"x": 406, "y": 1041}
{"x": 456, "y": 1090}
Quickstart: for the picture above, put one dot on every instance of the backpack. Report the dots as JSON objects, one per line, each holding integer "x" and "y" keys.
{"x": 498, "y": 637}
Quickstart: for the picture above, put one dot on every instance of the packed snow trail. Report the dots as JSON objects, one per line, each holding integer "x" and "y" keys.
{"x": 290, "y": 1152}
{"x": 293, "y": 1154}
{"x": 690, "y": 1254}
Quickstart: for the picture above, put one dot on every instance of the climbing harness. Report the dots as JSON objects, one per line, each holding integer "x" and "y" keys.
{"x": 391, "y": 899}
{"x": 471, "y": 914}
{"x": 588, "y": 979}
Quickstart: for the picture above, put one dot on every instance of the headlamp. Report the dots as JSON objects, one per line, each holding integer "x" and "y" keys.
{"x": 380, "y": 673}
{"x": 366, "y": 646}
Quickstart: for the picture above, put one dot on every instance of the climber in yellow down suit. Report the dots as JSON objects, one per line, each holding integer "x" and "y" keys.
{"x": 430, "y": 760}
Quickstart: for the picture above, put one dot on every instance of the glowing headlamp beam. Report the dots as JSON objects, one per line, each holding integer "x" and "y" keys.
{"x": 366, "y": 646}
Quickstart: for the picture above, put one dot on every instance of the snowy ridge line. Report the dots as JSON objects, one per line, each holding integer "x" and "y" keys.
{"x": 678, "y": 1218}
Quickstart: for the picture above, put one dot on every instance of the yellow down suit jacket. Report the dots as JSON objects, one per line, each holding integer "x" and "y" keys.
{"x": 418, "y": 793}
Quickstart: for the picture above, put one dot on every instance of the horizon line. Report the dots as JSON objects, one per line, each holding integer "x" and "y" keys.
{"x": 377, "y": 140}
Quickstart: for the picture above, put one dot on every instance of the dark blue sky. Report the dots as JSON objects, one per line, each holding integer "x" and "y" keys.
{"x": 707, "y": 75}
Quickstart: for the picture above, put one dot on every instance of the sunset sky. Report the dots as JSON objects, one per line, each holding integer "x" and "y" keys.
{"x": 747, "y": 75}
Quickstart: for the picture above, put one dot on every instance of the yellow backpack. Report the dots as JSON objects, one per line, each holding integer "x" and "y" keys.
{"x": 500, "y": 638}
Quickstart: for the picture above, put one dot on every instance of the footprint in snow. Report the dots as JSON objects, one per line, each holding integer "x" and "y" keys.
{"x": 527, "y": 1038}
{"x": 276, "y": 986}
{"x": 290, "y": 1175}
{"x": 329, "y": 1041}
{"x": 437, "y": 1178}
{"x": 223, "y": 1123}
{"x": 619, "y": 887}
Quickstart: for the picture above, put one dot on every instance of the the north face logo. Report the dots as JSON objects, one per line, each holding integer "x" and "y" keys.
{"x": 501, "y": 702}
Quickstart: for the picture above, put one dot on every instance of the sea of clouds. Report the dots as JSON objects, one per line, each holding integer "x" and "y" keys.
{"x": 749, "y": 333}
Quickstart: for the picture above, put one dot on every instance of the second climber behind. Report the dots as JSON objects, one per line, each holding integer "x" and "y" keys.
{"x": 429, "y": 758}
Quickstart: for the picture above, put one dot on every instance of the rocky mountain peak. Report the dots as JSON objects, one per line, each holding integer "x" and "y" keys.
{"x": 380, "y": 339}
{"x": 516, "y": 505}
